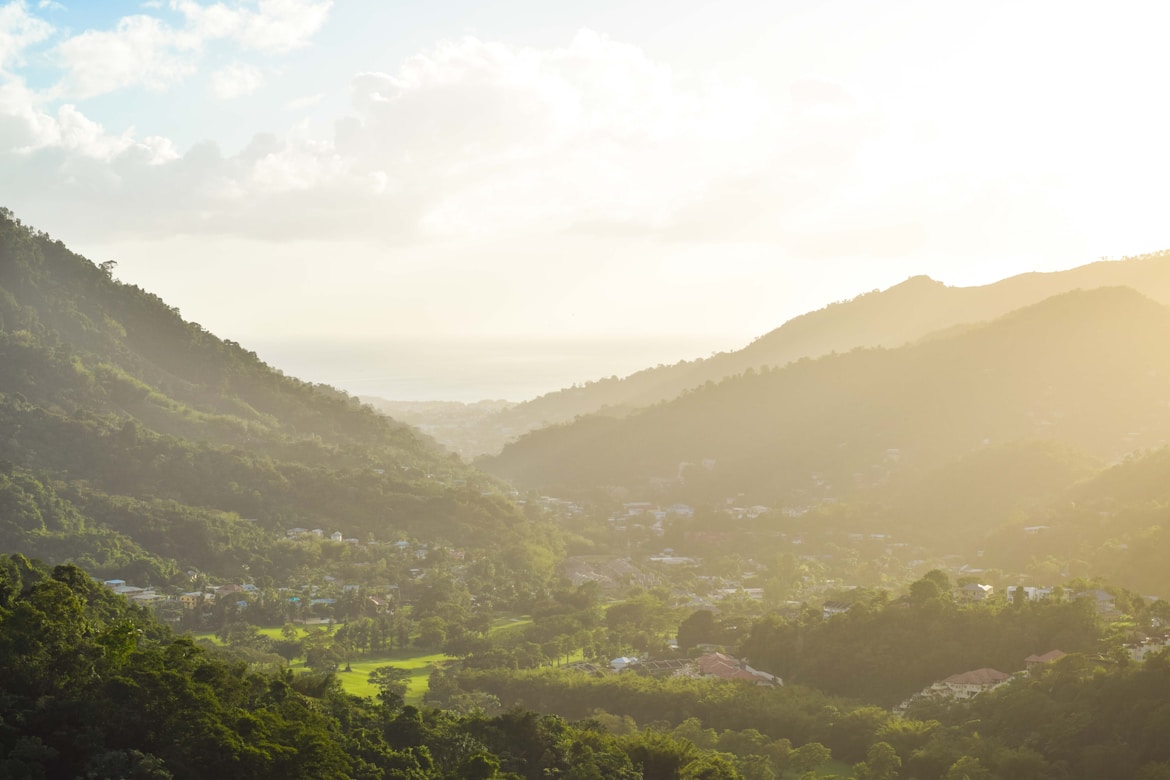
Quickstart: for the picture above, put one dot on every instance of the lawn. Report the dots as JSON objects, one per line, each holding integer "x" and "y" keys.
{"x": 506, "y": 622}
{"x": 420, "y": 664}
{"x": 271, "y": 633}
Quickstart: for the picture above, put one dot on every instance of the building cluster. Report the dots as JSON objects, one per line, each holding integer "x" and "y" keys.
{"x": 336, "y": 536}
{"x": 711, "y": 665}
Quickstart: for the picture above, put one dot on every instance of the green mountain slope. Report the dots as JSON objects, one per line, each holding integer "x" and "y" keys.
{"x": 901, "y": 314}
{"x": 113, "y": 406}
{"x": 1111, "y": 526}
{"x": 1089, "y": 369}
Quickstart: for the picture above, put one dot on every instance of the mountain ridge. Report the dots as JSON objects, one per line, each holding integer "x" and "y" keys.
{"x": 113, "y": 406}
{"x": 911, "y": 310}
{"x": 1044, "y": 371}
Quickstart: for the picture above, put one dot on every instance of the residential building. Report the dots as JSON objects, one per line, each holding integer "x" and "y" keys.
{"x": 970, "y": 684}
{"x": 1032, "y": 662}
{"x": 974, "y": 593}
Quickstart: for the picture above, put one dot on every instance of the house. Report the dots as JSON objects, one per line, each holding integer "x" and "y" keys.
{"x": 336, "y": 536}
{"x": 672, "y": 560}
{"x": 974, "y": 593}
{"x": 1032, "y": 594}
{"x": 832, "y": 608}
{"x": 620, "y": 663}
{"x": 970, "y": 684}
{"x": 1154, "y": 644}
{"x": 129, "y": 591}
{"x": 727, "y": 667}
{"x": 190, "y": 600}
{"x": 1033, "y": 662}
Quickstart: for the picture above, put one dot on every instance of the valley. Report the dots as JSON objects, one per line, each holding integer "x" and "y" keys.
{"x": 792, "y": 569}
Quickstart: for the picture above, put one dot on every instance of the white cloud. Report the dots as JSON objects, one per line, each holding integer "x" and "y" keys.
{"x": 144, "y": 51}
{"x": 139, "y": 51}
{"x": 236, "y": 80}
{"x": 496, "y": 138}
{"x": 306, "y": 101}
{"x": 18, "y": 30}
{"x": 593, "y": 141}
{"x": 27, "y": 128}
{"x": 475, "y": 138}
{"x": 275, "y": 26}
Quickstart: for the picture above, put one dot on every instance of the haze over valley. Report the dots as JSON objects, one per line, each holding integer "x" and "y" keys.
{"x": 513, "y": 391}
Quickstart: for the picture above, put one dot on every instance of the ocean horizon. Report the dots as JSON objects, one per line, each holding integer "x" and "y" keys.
{"x": 475, "y": 370}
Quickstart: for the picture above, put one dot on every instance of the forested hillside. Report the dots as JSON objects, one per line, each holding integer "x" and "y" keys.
{"x": 95, "y": 688}
{"x": 1087, "y": 369}
{"x": 902, "y": 314}
{"x": 139, "y": 442}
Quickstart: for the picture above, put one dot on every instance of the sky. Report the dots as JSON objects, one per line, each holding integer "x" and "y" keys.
{"x": 505, "y": 186}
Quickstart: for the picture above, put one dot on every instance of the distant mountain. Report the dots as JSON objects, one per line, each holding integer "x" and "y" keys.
{"x": 127, "y": 431}
{"x": 1089, "y": 369}
{"x": 907, "y": 312}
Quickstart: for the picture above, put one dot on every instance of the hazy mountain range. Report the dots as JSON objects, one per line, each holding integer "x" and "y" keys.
{"x": 1087, "y": 368}
{"x": 135, "y": 441}
{"x": 912, "y": 310}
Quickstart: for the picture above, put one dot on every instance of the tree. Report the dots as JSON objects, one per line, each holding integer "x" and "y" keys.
{"x": 392, "y": 682}
{"x": 808, "y": 757}
{"x": 321, "y": 658}
{"x": 432, "y": 631}
{"x": 967, "y": 768}
{"x": 481, "y": 766}
{"x": 698, "y": 628}
{"x": 881, "y": 763}
{"x": 712, "y": 766}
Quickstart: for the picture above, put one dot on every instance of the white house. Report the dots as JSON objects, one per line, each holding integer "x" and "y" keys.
{"x": 970, "y": 684}
{"x": 1031, "y": 593}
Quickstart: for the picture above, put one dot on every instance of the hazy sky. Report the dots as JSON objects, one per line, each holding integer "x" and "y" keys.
{"x": 680, "y": 170}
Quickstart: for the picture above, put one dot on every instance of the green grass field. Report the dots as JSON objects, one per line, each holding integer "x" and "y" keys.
{"x": 508, "y": 622}
{"x": 271, "y": 633}
{"x": 420, "y": 664}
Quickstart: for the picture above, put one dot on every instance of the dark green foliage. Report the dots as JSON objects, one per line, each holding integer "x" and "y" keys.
{"x": 95, "y": 688}
{"x": 885, "y": 655}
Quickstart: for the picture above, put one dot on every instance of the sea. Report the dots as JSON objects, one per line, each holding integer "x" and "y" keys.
{"x": 470, "y": 370}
